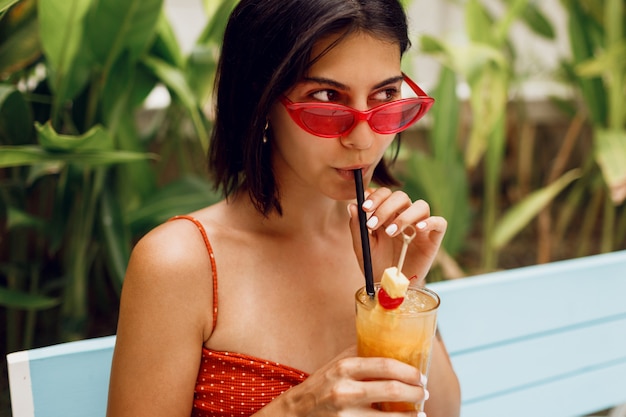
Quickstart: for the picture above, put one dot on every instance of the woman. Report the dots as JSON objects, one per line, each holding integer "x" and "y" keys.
{"x": 246, "y": 307}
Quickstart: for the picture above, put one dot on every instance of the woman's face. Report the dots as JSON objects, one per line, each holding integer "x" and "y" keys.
{"x": 361, "y": 72}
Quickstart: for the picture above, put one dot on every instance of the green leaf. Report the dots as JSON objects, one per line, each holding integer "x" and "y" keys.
{"x": 488, "y": 103}
{"x": 115, "y": 25}
{"x": 446, "y": 116}
{"x": 23, "y": 300}
{"x": 12, "y": 156}
{"x": 218, "y": 18}
{"x": 174, "y": 79}
{"x": 537, "y": 22}
{"x": 479, "y": 23}
{"x": 97, "y": 138}
{"x": 520, "y": 215}
{"x": 5, "y": 4}
{"x": 184, "y": 195}
{"x": 127, "y": 88}
{"x": 216, "y": 23}
{"x": 200, "y": 71}
{"x": 581, "y": 28}
{"x": 502, "y": 26}
{"x": 444, "y": 185}
{"x": 610, "y": 153}
{"x": 61, "y": 28}
{"x": 116, "y": 234}
{"x": 431, "y": 45}
{"x": 116, "y": 95}
{"x": 20, "y": 49}
{"x": 138, "y": 180}
{"x": 165, "y": 44}
{"x": 15, "y": 117}
{"x": 604, "y": 62}
{"x": 18, "y": 218}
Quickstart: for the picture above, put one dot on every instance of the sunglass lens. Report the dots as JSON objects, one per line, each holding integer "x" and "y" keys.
{"x": 396, "y": 116}
{"x": 327, "y": 121}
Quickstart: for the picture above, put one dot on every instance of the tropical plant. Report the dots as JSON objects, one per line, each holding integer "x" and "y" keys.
{"x": 597, "y": 69}
{"x": 486, "y": 63}
{"x": 80, "y": 179}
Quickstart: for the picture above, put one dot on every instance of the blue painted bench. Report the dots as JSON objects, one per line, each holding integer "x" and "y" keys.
{"x": 540, "y": 341}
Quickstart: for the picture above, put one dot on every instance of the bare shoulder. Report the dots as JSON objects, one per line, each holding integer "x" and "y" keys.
{"x": 175, "y": 248}
{"x": 170, "y": 275}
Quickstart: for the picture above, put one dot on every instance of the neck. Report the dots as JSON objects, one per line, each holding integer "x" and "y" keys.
{"x": 311, "y": 215}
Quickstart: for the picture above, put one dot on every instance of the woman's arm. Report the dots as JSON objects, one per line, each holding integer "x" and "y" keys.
{"x": 443, "y": 385}
{"x": 162, "y": 325}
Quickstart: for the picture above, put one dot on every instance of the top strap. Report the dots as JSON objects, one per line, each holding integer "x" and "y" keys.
{"x": 211, "y": 257}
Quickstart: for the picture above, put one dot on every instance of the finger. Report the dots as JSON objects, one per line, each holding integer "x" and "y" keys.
{"x": 432, "y": 229}
{"x": 411, "y": 215}
{"x": 393, "y": 391}
{"x": 378, "y": 368}
{"x": 388, "y": 210}
{"x": 375, "y": 198}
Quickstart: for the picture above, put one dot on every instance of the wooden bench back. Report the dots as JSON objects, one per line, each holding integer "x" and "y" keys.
{"x": 546, "y": 340}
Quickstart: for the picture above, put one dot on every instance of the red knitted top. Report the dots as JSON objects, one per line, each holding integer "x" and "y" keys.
{"x": 234, "y": 384}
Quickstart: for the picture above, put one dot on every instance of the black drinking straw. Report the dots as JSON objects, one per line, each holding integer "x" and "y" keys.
{"x": 365, "y": 239}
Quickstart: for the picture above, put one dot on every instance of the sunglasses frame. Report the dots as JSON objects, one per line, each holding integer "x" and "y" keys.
{"x": 295, "y": 109}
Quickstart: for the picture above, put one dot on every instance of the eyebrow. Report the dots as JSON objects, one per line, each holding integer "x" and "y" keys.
{"x": 338, "y": 85}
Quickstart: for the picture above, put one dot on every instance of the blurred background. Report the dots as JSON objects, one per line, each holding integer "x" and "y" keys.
{"x": 105, "y": 111}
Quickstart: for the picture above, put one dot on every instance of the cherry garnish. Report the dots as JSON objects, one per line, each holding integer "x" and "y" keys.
{"x": 387, "y": 302}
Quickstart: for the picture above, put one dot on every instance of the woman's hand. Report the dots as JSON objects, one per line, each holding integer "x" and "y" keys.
{"x": 389, "y": 213}
{"x": 348, "y": 385}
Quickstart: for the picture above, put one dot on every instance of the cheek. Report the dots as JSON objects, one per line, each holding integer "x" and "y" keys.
{"x": 384, "y": 142}
{"x": 289, "y": 139}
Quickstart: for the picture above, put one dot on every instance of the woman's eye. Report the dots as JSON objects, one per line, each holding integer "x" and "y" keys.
{"x": 387, "y": 94}
{"x": 326, "y": 95}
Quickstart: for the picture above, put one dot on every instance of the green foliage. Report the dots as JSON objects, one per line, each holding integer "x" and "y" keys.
{"x": 598, "y": 44}
{"x": 80, "y": 181}
{"x": 440, "y": 177}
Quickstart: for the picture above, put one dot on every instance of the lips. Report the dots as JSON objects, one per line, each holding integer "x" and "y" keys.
{"x": 347, "y": 172}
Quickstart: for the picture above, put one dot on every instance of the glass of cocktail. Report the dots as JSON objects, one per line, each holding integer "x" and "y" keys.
{"x": 405, "y": 333}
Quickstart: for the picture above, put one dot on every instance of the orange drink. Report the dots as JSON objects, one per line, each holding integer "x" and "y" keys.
{"x": 405, "y": 333}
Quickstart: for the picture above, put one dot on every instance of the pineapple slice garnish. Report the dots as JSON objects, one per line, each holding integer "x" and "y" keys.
{"x": 393, "y": 287}
{"x": 394, "y": 283}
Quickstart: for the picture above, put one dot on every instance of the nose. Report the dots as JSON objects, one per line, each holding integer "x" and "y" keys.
{"x": 360, "y": 137}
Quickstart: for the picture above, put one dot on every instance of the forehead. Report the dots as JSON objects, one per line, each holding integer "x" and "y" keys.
{"x": 357, "y": 57}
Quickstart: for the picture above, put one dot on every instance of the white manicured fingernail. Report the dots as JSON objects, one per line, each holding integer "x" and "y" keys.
{"x": 372, "y": 222}
{"x": 421, "y": 225}
{"x": 423, "y": 379}
{"x": 391, "y": 229}
{"x": 421, "y": 414}
{"x": 368, "y": 204}
{"x": 426, "y": 394}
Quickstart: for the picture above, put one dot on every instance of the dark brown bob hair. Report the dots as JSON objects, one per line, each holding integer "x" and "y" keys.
{"x": 267, "y": 50}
